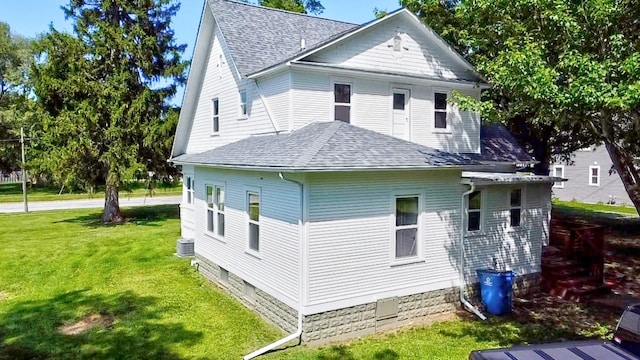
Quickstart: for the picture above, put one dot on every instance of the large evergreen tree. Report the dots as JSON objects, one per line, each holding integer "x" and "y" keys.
{"x": 564, "y": 74}
{"x": 105, "y": 90}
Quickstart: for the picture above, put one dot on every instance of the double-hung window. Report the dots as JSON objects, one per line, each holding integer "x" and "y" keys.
{"x": 210, "y": 209}
{"x": 558, "y": 171}
{"x": 440, "y": 111}
{"x": 474, "y": 211}
{"x": 253, "y": 213}
{"x": 406, "y": 226}
{"x": 219, "y": 209}
{"x": 189, "y": 185}
{"x": 342, "y": 102}
{"x": 215, "y": 116}
{"x": 215, "y": 210}
{"x": 594, "y": 175}
{"x": 515, "y": 207}
{"x": 243, "y": 112}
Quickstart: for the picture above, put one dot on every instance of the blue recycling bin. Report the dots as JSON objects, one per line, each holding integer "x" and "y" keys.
{"x": 496, "y": 290}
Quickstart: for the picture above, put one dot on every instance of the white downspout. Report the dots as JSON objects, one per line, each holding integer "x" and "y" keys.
{"x": 463, "y": 231}
{"x": 298, "y": 332}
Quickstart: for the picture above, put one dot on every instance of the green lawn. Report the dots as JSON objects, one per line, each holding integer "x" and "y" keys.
{"x": 595, "y": 208}
{"x": 13, "y": 192}
{"x": 57, "y": 268}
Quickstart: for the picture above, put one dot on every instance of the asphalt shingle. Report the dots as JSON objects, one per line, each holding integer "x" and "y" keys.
{"x": 326, "y": 146}
{"x": 499, "y": 145}
{"x": 260, "y": 37}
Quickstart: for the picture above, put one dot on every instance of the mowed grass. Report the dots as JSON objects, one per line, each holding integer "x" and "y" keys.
{"x": 13, "y": 192}
{"x": 60, "y": 268}
{"x": 595, "y": 209}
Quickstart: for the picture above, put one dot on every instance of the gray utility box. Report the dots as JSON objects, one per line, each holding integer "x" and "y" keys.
{"x": 184, "y": 248}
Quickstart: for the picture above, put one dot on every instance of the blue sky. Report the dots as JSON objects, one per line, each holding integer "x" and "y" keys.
{"x": 32, "y": 17}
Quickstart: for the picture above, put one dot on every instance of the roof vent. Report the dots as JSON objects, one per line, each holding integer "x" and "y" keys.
{"x": 303, "y": 44}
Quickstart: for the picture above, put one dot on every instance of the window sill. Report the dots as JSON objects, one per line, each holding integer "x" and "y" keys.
{"x": 474, "y": 234}
{"x": 186, "y": 206}
{"x": 243, "y": 117}
{"x": 214, "y": 134}
{"x": 253, "y": 253}
{"x": 558, "y": 187}
{"x": 594, "y": 185}
{"x": 213, "y": 236}
{"x": 441, "y": 131}
{"x": 413, "y": 260}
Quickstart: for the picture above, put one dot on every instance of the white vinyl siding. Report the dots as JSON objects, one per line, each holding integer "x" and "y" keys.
{"x": 226, "y": 89}
{"x": 186, "y": 208}
{"x": 594, "y": 175}
{"x": 510, "y": 248}
{"x": 275, "y": 89}
{"x": 373, "y": 50}
{"x": 277, "y": 269}
{"x": 351, "y": 234}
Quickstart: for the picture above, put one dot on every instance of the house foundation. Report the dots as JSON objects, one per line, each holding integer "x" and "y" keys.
{"x": 354, "y": 321}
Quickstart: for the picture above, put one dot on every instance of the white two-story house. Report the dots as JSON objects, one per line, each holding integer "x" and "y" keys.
{"x": 330, "y": 182}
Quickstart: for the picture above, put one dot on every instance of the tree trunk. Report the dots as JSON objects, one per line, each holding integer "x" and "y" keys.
{"x": 112, "y": 214}
{"x": 622, "y": 162}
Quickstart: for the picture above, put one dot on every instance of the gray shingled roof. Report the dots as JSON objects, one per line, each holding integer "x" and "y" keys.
{"x": 260, "y": 37}
{"x": 325, "y": 146}
{"x": 499, "y": 145}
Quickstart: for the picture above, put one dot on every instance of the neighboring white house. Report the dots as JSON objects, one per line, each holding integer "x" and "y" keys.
{"x": 332, "y": 186}
{"x": 589, "y": 178}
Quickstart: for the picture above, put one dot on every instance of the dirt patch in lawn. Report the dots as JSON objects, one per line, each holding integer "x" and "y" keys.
{"x": 86, "y": 324}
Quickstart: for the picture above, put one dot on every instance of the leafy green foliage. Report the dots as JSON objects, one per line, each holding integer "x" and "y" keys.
{"x": 564, "y": 74}
{"x": 299, "y": 6}
{"x": 104, "y": 91}
{"x": 15, "y": 58}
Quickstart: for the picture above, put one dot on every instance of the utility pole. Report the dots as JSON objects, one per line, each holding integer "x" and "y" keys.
{"x": 24, "y": 173}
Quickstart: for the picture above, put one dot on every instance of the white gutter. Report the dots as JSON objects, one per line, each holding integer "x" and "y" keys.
{"x": 266, "y": 107}
{"x": 463, "y": 231}
{"x": 298, "y": 332}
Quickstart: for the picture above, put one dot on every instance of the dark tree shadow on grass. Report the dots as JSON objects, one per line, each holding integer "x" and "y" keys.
{"x": 142, "y": 215}
{"x": 32, "y": 329}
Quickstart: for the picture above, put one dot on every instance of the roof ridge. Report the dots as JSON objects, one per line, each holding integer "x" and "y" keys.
{"x": 315, "y": 147}
{"x": 285, "y": 11}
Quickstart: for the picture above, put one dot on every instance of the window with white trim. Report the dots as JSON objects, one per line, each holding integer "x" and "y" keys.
{"x": 406, "y": 226}
{"x": 474, "y": 211}
{"x": 558, "y": 171}
{"x": 210, "y": 211}
{"x": 243, "y": 104}
{"x": 253, "y": 215}
{"x": 594, "y": 175}
{"x": 515, "y": 207}
{"x": 218, "y": 207}
{"x": 342, "y": 102}
{"x": 215, "y": 116}
{"x": 440, "y": 112}
{"x": 189, "y": 184}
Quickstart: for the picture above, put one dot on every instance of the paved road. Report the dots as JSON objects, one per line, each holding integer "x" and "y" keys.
{"x": 87, "y": 204}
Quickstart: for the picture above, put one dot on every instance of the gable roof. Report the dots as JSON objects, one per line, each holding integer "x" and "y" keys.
{"x": 497, "y": 144}
{"x": 326, "y": 146}
{"x": 259, "y": 37}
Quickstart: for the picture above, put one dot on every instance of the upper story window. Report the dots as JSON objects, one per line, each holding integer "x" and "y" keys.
{"x": 594, "y": 175}
{"x": 515, "y": 207}
{"x": 243, "y": 112}
{"x": 440, "y": 113}
{"x": 215, "y": 116}
{"x": 253, "y": 212}
{"x": 558, "y": 171}
{"x": 189, "y": 184}
{"x": 342, "y": 102}
{"x": 474, "y": 211}
{"x": 407, "y": 226}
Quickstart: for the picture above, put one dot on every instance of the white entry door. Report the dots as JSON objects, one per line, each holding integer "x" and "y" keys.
{"x": 401, "y": 114}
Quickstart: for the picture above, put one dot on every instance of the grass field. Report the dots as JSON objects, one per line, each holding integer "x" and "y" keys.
{"x": 13, "y": 192}
{"x": 595, "y": 208}
{"x": 62, "y": 272}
